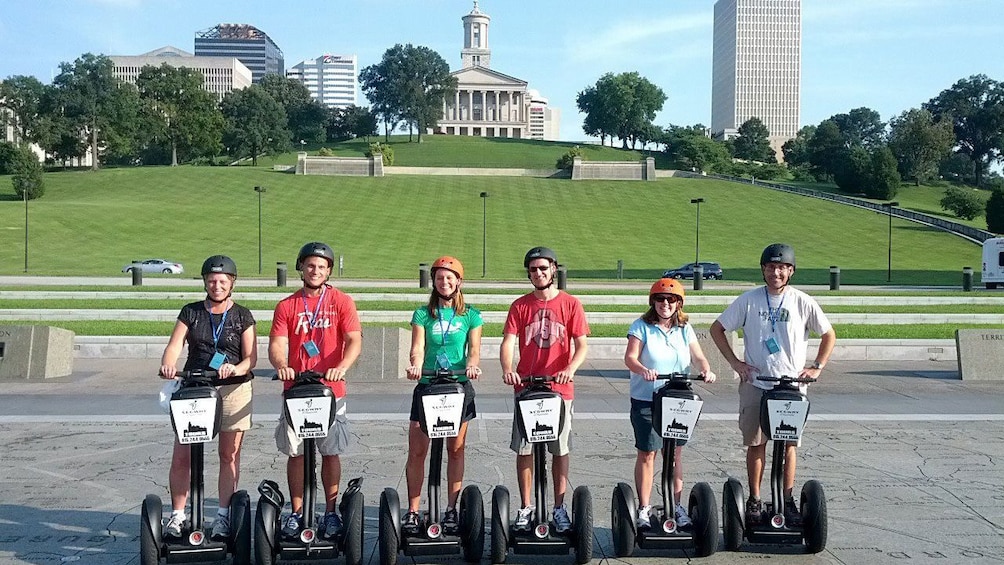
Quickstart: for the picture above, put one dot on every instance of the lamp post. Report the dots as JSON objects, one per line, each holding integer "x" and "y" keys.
{"x": 24, "y": 193}
{"x": 260, "y": 190}
{"x": 888, "y": 208}
{"x": 484, "y": 234}
{"x": 697, "y": 238}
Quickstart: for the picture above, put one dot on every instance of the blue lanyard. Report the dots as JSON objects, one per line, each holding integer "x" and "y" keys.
{"x": 217, "y": 331}
{"x": 445, "y": 330}
{"x": 773, "y": 315}
{"x": 312, "y": 317}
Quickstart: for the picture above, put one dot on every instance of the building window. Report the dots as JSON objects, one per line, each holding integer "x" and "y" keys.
{"x": 477, "y": 36}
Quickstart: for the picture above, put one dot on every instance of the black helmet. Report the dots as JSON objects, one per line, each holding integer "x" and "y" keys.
{"x": 315, "y": 249}
{"x": 219, "y": 264}
{"x": 778, "y": 253}
{"x": 539, "y": 253}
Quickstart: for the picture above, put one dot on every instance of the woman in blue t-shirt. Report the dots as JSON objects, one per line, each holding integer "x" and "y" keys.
{"x": 445, "y": 334}
{"x": 659, "y": 343}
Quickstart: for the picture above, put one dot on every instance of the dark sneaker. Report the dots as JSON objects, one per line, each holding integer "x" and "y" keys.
{"x": 173, "y": 527}
{"x": 331, "y": 524}
{"x": 562, "y": 523}
{"x": 792, "y": 516}
{"x": 410, "y": 523}
{"x": 682, "y": 518}
{"x": 292, "y": 526}
{"x": 451, "y": 522}
{"x": 754, "y": 509}
{"x": 220, "y": 528}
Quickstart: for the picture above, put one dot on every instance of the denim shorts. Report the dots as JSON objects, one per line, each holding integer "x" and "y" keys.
{"x": 645, "y": 438}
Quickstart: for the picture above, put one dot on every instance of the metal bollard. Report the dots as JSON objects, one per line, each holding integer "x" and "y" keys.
{"x": 280, "y": 273}
{"x": 562, "y": 277}
{"x": 423, "y": 275}
{"x": 834, "y": 277}
{"x": 137, "y": 273}
{"x": 620, "y": 269}
{"x": 341, "y": 265}
{"x": 967, "y": 279}
{"x": 698, "y": 276}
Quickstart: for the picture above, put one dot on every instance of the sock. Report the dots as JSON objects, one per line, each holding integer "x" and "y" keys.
{"x": 179, "y": 513}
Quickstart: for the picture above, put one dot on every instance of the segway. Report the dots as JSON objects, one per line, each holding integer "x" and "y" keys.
{"x": 539, "y": 416}
{"x": 196, "y": 412}
{"x": 442, "y": 412}
{"x": 676, "y": 401}
{"x": 309, "y": 407}
{"x": 783, "y": 413}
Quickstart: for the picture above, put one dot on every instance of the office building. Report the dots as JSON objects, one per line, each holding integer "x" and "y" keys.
{"x": 331, "y": 79}
{"x": 757, "y": 67}
{"x": 248, "y": 44}
{"x": 221, "y": 75}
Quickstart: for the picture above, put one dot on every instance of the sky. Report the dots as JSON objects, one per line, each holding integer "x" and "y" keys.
{"x": 887, "y": 55}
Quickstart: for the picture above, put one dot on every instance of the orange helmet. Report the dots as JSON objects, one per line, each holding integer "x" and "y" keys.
{"x": 667, "y": 286}
{"x": 449, "y": 263}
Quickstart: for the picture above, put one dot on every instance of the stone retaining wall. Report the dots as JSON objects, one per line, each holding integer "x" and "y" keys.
{"x": 614, "y": 170}
{"x": 350, "y": 166}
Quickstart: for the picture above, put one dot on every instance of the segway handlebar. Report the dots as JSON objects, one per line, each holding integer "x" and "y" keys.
{"x": 444, "y": 373}
{"x": 786, "y": 379}
{"x": 210, "y": 377}
{"x": 537, "y": 379}
{"x": 304, "y": 377}
{"x": 679, "y": 377}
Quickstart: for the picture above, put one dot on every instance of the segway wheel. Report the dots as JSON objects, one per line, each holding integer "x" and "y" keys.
{"x": 150, "y": 530}
{"x": 266, "y": 530}
{"x": 390, "y": 539}
{"x": 732, "y": 514}
{"x": 500, "y": 524}
{"x": 240, "y": 521}
{"x": 582, "y": 524}
{"x": 621, "y": 520}
{"x": 704, "y": 513}
{"x": 472, "y": 524}
{"x": 814, "y": 521}
{"x": 354, "y": 529}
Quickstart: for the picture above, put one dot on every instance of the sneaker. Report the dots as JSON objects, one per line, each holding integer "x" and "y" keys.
{"x": 410, "y": 523}
{"x": 644, "y": 520}
{"x": 682, "y": 518}
{"x": 451, "y": 522}
{"x": 220, "y": 528}
{"x": 562, "y": 523}
{"x": 523, "y": 517}
{"x": 291, "y": 528}
{"x": 173, "y": 527}
{"x": 331, "y": 524}
{"x": 754, "y": 509}
{"x": 792, "y": 516}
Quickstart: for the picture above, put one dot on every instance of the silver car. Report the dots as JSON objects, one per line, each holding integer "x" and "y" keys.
{"x": 158, "y": 266}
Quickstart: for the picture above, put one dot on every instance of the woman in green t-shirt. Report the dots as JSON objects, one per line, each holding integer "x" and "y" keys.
{"x": 445, "y": 334}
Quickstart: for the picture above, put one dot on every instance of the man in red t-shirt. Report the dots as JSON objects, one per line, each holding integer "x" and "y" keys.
{"x": 550, "y": 327}
{"x": 315, "y": 329}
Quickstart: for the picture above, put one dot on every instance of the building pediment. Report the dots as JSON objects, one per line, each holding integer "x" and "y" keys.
{"x": 480, "y": 76}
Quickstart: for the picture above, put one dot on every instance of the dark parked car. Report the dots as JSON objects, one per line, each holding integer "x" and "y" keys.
{"x": 711, "y": 271}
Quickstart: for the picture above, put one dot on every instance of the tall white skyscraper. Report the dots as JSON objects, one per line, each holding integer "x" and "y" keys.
{"x": 331, "y": 79}
{"x": 757, "y": 67}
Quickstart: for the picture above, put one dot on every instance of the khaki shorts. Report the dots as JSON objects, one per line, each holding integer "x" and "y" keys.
{"x": 236, "y": 407}
{"x": 336, "y": 442}
{"x": 749, "y": 415}
{"x": 560, "y": 446}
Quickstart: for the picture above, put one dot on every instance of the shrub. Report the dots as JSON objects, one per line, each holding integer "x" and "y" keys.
{"x": 27, "y": 175}
{"x": 995, "y": 212}
{"x": 385, "y": 150}
{"x": 325, "y": 152}
{"x": 568, "y": 159}
{"x": 963, "y": 202}
{"x": 8, "y": 157}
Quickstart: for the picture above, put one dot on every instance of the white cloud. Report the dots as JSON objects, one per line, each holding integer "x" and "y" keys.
{"x": 625, "y": 40}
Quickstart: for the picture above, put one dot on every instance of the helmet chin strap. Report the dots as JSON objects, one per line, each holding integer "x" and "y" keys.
{"x": 442, "y": 296}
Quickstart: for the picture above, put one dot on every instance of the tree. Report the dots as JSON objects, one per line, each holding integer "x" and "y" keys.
{"x": 179, "y": 112}
{"x": 995, "y": 211}
{"x": 884, "y": 179}
{"x": 254, "y": 123}
{"x": 975, "y": 108}
{"x": 826, "y": 149}
{"x": 703, "y": 154}
{"x": 752, "y": 143}
{"x": 623, "y": 105}
{"x": 347, "y": 123}
{"x": 26, "y": 175}
{"x": 965, "y": 203}
{"x": 796, "y": 150}
{"x": 919, "y": 144}
{"x": 409, "y": 84}
{"x": 851, "y": 174}
{"x": 860, "y": 127}
{"x": 598, "y": 120}
{"x": 22, "y": 95}
{"x": 305, "y": 117}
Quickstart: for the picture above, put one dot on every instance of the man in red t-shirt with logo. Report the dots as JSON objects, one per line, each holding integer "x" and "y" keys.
{"x": 315, "y": 329}
{"x": 550, "y": 327}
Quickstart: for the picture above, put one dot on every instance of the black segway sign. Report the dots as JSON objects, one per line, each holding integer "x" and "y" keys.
{"x": 541, "y": 418}
{"x": 443, "y": 413}
{"x": 194, "y": 419}
{"x": 787, "y": 419}
{"x": 679, "y": 416}
{"x": 310, "y": 416}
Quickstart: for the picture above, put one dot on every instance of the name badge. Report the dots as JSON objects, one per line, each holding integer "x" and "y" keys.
{"x": 217, "y": 361}
{"x": 772, "y": 345}
{"x": 311, "y": 348}
{"x": 443, "y": 361}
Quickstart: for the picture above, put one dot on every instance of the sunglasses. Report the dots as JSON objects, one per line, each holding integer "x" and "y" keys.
{"x": 540, "y": 268}
{"x": 670, "y": 298}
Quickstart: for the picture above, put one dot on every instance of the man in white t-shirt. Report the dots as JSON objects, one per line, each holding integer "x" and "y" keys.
{"x": 776, "y": 320}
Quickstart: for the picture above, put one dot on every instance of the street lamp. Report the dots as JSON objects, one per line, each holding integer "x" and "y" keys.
{"x": 260, "y": 190}
{"x": 24, "y": 193}
{"x": 484, "y": 234}
{"x": 888, "y": 208}
{"x": 697, "y": 238}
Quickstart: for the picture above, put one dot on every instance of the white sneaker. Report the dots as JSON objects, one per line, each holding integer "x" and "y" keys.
{"x": 523, "y": 517}
{"x": 173, "y": 527}
{"x": 644, "y": 519}
{"x": 562, "y": 523}
{"x": 682, "y": 518}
